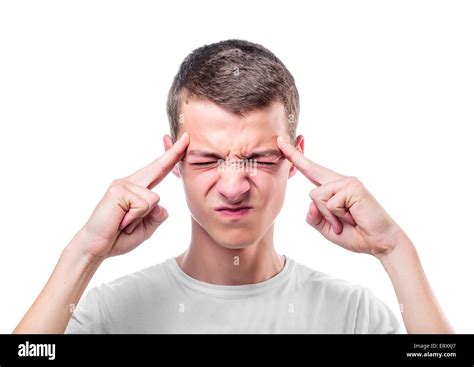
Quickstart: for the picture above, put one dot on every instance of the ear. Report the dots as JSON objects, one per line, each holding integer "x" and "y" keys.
{"x": 299, "y": 145}
{"x": 168, "y": 143}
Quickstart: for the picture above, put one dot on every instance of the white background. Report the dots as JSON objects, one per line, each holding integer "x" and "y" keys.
{"x": 387, "y": 92}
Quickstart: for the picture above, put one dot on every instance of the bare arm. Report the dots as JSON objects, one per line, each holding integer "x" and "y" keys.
{"x": 420, "y": 310}
{"x": 51, "y": 311}
{"x": 347, "y": 214}
{"x": 127, "y": 215}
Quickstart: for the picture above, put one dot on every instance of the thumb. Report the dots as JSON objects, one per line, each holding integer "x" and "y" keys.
{"x": 157, "y": 216}
{"x": 316, "y": 220}
{"x": 154, "y": 219}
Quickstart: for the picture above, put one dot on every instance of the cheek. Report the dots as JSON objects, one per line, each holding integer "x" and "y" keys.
{"x": 271, "y": 185}
{"x": 197, "y": 186}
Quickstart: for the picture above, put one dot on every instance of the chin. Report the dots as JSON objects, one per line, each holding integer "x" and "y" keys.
{"x": 235, "y": 241}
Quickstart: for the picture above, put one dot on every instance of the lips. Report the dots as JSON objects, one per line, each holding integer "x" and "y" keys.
{"x": 233, "y": 212}
{"x": 233, "y": 208}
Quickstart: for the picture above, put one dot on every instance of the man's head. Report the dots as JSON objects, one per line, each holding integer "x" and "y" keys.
{"x": 234, "y": 98}
{"x": 239, "y": 76}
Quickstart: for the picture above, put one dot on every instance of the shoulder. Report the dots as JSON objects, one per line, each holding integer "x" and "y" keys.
{"x": 142, "y": 276}
{"x": 315, "y": 281}
{"x": 112, "y": 302}
{"x": 138, "y": 283}
{"x": 368, "y": 313}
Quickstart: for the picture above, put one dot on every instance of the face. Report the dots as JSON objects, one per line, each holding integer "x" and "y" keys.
{"x": 233, "y": 173}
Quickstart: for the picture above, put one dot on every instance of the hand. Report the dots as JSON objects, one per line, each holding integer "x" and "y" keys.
{"x": 129, "y": 213}
{"x": 343, "y": 210}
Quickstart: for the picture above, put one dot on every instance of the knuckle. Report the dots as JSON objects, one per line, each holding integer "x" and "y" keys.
{"x": 115, "y": 187}
{"x": 145, "y": 205}
{"x": 354, "y": 181}
{"x": 316, "y": 194}
{"x": 116, "y": 183}
{"x": 331, "y": 204}
{"x": 141, "y": 208}
{"x": 155, "y": 198}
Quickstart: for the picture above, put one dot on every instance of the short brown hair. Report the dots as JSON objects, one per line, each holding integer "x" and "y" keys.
{"x": 237, "y": 75}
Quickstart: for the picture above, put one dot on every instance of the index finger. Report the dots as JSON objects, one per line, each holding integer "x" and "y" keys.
{"x": 316, "y": 173}
{"x": 153, "y": 173}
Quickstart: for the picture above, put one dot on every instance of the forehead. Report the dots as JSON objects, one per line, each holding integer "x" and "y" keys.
{"x": 212, "y": 127}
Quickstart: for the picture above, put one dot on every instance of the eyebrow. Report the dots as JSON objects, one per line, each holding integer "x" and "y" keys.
{"x": 257, "y": 154}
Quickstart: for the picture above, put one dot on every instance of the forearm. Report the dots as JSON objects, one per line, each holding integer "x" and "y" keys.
{"x": 51, "y": 311}
{"x": 420, "y": 309}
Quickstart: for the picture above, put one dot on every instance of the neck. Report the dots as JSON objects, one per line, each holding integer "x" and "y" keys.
{"x": 209, "y": 262}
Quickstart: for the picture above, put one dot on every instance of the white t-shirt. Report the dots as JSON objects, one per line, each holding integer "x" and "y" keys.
{"x": 164, "y": 299}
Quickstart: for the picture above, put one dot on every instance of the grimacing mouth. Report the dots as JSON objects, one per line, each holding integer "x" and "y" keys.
{"x": 233, "y": 208}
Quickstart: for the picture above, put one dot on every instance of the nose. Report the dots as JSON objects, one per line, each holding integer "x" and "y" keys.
{"x": 233, "y": 184}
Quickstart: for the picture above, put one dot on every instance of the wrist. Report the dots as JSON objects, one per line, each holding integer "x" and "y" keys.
{"x": 402, "y": 250}
{"x": 77, "y": 249}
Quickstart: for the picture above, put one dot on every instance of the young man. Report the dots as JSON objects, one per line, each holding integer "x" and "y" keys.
{"x": 233, "y": 111}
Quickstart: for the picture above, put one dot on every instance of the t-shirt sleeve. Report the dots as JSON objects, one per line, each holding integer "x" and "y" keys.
{"x": 88, "y": 317}
{"x": 375, "y": 317}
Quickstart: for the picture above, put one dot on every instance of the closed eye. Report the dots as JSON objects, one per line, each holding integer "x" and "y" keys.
{"x": 203, "y": 164}
{"x": 207, "y": 164}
